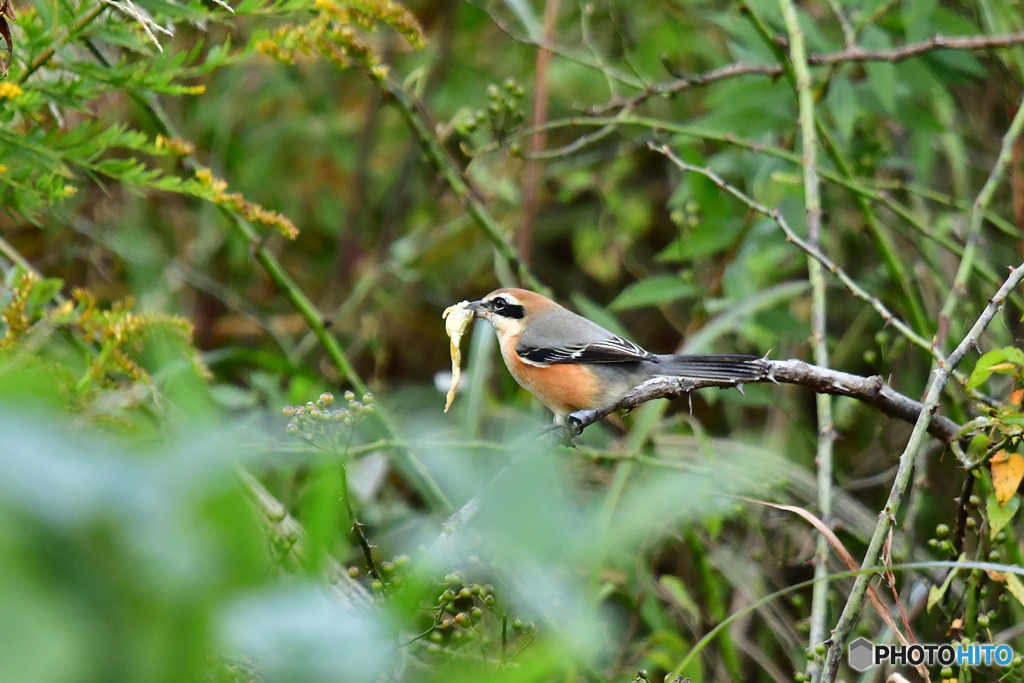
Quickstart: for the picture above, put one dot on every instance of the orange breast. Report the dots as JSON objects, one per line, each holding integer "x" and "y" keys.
{"x": 562, "y": 387}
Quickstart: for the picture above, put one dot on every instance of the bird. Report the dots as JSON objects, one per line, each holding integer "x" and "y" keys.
{"x": 570, "y": 363}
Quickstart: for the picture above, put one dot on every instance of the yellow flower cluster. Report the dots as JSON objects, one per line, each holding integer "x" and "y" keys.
{"x": 237, "y": 204}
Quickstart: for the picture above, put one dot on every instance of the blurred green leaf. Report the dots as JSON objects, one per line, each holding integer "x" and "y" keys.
{"x": 653, "y": 291}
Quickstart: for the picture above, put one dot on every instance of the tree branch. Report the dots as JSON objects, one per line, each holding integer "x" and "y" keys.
{"x": 849, "y": 55}
{"x": 870, "y": 390}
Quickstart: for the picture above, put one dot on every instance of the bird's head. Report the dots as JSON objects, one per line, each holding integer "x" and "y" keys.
{"x": 508, "y": 309}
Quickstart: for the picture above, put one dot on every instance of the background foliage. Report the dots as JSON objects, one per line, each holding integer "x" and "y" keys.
{"x": 213, "y": 214}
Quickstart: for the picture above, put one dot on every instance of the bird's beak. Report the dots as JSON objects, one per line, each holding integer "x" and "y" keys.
{"x": 478, "y": 308}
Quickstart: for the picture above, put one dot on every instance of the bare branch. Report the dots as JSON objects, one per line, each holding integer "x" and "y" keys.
{"x": 849, "y": 55}
{"x": 870, "y": 390}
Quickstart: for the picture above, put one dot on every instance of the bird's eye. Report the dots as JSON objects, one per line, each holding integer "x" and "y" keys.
{"x": 499, "y": 305}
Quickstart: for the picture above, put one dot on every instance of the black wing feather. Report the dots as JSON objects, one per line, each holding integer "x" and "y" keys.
{"x": 611, "y": 350}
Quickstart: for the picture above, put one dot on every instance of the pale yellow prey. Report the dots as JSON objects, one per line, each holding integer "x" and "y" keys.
{"x": 457, "y": 319}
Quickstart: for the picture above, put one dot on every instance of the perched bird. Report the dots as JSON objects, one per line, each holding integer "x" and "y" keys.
{"x": 570, "y": 363}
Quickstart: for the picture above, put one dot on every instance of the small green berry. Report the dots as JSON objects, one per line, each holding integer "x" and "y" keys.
{"x": 942, "y": 531}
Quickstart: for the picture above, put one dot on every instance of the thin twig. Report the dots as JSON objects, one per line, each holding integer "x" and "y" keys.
{"x": 359, "y": 530}
{"x": 887, "y": 517}
{"x": 811, "y": 250}
{"x": 554, "y": 48}
{"x": 958, "y": 290}
{"x": 849, "y": 55}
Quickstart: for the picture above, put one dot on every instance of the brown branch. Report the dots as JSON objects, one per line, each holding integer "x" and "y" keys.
{"x": 870, "y": 390}
{"x": 538, "y": 139}
{"x": 850, "y": 55}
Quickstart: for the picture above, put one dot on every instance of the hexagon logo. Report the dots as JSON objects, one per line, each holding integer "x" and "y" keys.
{"x": 861, "y": 654}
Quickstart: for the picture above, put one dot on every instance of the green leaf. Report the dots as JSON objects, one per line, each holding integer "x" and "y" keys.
{"x": 659, "y": 289}
{"x": 1000, "y": 515}
{"x": 709, "y": 237}
{"x": 1015, "y": 587}
{"x": 936, "y": 593}
{"x": 983, "y": 369}
{"x": 677, "y": 591}
{"x": 842, "y": 103}
{"x": 43, "y": 292}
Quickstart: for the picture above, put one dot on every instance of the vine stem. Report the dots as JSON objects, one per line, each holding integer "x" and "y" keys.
{"x": 819, "y": 332}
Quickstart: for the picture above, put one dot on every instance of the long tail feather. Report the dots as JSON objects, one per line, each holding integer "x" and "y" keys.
{"x": 713, "y": 366}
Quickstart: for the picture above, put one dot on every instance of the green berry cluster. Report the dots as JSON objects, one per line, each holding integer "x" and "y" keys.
{"x": 503, "y": 114}
{"x": 467, "y": 612}
{"x": 393, "y": 573}
{"x": 323, "y": 424}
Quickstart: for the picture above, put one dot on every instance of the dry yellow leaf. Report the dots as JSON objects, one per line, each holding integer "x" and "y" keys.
{"x": 457, "y": 320}
{"x": 1007, "y": 472}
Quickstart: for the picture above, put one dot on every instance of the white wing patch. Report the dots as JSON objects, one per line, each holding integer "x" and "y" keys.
{"x": 611, "y": 350}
